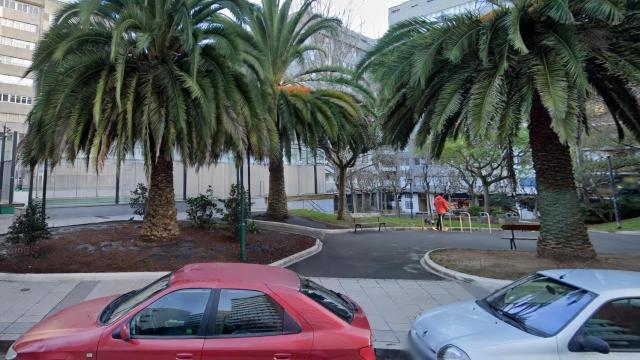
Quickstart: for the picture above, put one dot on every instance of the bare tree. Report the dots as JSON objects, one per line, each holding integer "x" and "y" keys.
{"x": 392, "y": 176}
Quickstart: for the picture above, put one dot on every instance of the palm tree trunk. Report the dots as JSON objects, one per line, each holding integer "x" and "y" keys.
{"x": 160, "y": 223}
{"x": 277, "y": 203}
{"x": 342, "y": 173}
{"x": 563, "y": 234}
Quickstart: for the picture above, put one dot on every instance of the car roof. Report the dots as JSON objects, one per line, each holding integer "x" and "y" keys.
{"x": 596, "y": 280}
{"x": 231, "y": 272}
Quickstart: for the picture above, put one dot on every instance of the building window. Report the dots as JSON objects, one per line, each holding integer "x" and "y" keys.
{"x": 9, "y": 60}
{"x": 15, "y": 80}
{"x": 15, "y": 99}
{"x": 17, "y": 43}
{"x": 20, "y": 6}
{"x": 19, "y": 25}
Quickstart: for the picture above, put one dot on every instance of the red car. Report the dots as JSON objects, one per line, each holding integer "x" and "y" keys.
{"x": 207, "y": 311}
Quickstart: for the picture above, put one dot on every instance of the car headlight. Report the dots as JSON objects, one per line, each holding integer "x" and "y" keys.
{"x": 450, "y": 352}
{"x": 11, "y": 354}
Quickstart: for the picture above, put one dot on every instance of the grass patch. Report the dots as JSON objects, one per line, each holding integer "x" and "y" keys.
{"x": 627, "y": 225}
{"x": 392, "y": 221}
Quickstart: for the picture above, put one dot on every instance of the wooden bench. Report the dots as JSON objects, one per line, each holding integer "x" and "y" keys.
{"x": 519, "y": 227}
{"x": 358, "y": 221}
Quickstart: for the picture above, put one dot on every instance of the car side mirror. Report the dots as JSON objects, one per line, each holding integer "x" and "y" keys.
{"x": 122, "y": 333}
{"x": 125, "y": 334}
{"x": 590, "y": 343}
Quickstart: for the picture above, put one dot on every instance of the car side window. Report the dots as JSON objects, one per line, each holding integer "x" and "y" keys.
{"x": 251, "y": 313}
{"x": 617, "y": 323}
{"x": 178, "y": 314}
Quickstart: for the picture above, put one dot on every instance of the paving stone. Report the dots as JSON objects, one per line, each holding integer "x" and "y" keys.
{"x": 4, "y": 325}
{"x": 9, "y": 337}
{"x": 384, "y": 336}
{"x": 30, "y": 318}
{"x": 19, "y": 327}
{"x": 399, "y": 327}
{"x": 377, "y": 322}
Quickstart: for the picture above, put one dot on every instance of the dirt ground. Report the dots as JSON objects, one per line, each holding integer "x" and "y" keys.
{"x": 513, "y": 265}
{"x": 113, "y": 247}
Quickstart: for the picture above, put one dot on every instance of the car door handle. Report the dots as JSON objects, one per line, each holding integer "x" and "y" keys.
{"x": 282, "y": 357}
{"x": 184, "y": 356}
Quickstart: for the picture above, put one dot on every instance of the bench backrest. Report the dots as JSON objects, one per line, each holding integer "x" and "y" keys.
{"x": 521, "y": 227}
{"x": 364, "y": 215}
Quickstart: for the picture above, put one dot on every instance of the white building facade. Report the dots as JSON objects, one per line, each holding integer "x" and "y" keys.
{"x": 433, "y": 9}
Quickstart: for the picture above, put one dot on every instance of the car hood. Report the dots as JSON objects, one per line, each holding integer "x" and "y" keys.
{"x": 462, "y": 324}
{"x": 76, "y": 324}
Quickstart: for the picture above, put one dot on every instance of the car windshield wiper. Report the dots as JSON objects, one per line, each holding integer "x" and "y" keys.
{"x": 109, "y": 309}
{"x": 514, "y": 318}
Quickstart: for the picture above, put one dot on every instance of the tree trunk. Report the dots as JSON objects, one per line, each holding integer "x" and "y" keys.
{"x": 486, "y": 196}
{"x": 396, "y": 198}
{"x": 160, "y": 223}
{"x": 563, "y": 233}
{"x": 277, "y": 202}
{"x": 341, "y": 192}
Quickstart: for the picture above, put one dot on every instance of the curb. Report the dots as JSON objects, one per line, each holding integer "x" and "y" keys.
{"x": 444, "y": 272}
{"x": 288, "y": 261}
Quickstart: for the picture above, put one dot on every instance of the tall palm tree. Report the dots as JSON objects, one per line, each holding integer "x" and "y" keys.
{"x": 528, "y": 63}
{"x": 280, "y": 38}
{"x": 160, "y": 78}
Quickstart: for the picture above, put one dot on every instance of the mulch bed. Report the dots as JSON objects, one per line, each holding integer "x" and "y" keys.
{"x": 511, "y": 265}
{"x": 113, "y": 247}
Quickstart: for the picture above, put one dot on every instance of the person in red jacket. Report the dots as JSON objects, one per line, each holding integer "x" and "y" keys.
{"x": 442, "y": 207}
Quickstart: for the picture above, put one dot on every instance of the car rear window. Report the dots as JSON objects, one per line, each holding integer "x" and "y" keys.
{"x": 329, "y": 299}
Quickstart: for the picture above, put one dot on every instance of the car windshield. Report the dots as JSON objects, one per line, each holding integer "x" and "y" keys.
{"x": 128, "y": 301}
{"x": 329, "y": 299}
{"x": 539, "y": 305}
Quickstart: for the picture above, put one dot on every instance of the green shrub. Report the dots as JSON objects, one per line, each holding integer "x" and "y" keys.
{"x": 232, "y": 207}
{"x": 503, "y": 201}
{"x": 202, "y": 208}
{"x": 252, "y": 228}
{"x": 138, "y": 199}
{"x": 474, "y": 210}
{"x": 29, "y": 228}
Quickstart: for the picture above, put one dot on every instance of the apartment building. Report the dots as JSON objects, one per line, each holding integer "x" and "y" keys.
{"x": 22, "y": 23}
{"x": 433, "y": 9}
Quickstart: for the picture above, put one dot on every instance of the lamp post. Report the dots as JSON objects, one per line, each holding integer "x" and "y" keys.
{"x": 243, "y": 215}
{"x": 410, "y": 182}
{"x": 612, "y": 184}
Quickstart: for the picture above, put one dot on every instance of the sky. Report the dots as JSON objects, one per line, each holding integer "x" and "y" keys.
{"x": 369, "y": 17}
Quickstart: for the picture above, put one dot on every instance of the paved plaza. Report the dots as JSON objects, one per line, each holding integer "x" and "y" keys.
{"x": 390, "y": 305}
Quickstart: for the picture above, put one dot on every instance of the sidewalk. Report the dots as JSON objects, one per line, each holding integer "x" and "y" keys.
{"x": 390, "y": 305}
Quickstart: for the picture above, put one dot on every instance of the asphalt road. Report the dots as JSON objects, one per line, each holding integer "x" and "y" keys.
{"x": 397, "y": 254}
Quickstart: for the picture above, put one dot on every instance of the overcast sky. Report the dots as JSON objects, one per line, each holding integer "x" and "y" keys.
{"x": 369, "y": 17}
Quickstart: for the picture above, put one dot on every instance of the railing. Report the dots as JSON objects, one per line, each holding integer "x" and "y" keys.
{"x": 459, "y": 216}
{"x": 488, "y": 216}
{"x": 314, "y": 206}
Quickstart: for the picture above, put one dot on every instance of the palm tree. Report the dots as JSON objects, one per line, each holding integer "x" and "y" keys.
{"x": 161, "y": 78}
{"x": 280, "y": 40}
{"x": 527, "y": 63}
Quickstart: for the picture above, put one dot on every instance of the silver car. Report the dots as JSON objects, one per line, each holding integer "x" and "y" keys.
{"x": 551, "y": 315}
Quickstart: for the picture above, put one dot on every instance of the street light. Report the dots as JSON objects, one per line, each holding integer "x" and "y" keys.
{"x": 410, "y": 182}
{"x": 612, "y": 184}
